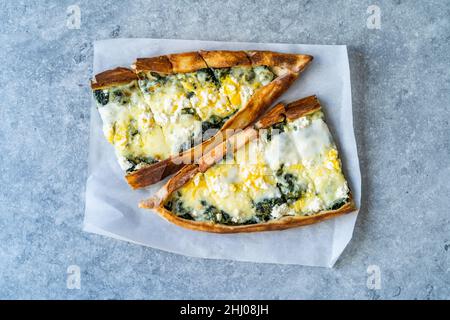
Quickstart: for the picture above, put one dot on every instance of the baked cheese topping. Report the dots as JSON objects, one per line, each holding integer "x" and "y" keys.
{"x": 162, "y": 115}
{"x": 292, "y": 169}
{"x": 129, "y": 125}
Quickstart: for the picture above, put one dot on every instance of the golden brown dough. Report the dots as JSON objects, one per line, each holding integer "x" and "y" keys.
{"x": 186, "y": 62}
{"x": 225, "y": 59}
{"x": 114, "y": 77}
{"x": 160, "y": 64}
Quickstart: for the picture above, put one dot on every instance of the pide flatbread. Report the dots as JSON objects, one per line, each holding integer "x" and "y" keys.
{"x": 282, "y": 172}
{"x": 167, "y": 111}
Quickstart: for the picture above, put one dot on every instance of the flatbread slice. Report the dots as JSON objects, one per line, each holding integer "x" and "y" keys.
{"x": 194, "y": 95}
{"x": 282, "y": 172}
{"x": 128, "y": 122}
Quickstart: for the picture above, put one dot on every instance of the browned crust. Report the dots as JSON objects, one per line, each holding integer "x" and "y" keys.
{"x": 228, "y": 146}
{"x": 292, "y": 62}
{"x": 302, "y": 107}
{"x": 260, "y": 101}
{"x": 186, "y": 62}
{"x": 225, "y": 59}
{"x": 111, "y": 78}
{"x": 149, "y": 175}
{"x": 291, "y": 111}
{"x": 274, "y": 115}
{"x": 159, "y": 64}
{"x": 193, "y": 61}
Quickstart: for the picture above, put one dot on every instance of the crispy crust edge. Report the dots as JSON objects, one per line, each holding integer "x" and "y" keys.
{"x": 280, "y": 112}
{"x": 196, "y": 60}
{"x": 113, "y": 77}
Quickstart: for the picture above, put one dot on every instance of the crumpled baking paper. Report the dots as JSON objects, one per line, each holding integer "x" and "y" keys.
{"x": 112, "y": 207}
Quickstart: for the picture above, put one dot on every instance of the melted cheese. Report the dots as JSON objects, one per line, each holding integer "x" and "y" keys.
{"x": 182, "y": 135}
{"x": 280, "y": 150}
{"x": 128, "y": 124}
{"x": 257, "y": 178}
{"x": 159, "y": 116}
{"x": 240, "y": 83}
{"x": 296, "y": 172}
{"x": 205, "y": 96}
{"x": 225, "y": 186}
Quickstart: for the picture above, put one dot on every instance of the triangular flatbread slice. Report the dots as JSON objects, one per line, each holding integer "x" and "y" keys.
{"x": 165, "y": 112}
{"x": 280, "y": 173}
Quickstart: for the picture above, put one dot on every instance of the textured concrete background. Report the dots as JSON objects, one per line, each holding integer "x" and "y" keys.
{"x": 401, "y": 97}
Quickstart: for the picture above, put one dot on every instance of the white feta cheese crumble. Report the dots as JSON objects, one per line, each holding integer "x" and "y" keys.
{"x": 315, "y": 205}
{"x": 279, "y": 211}
{"x": 342, "y": 191}
{"x": 300, "y": 123}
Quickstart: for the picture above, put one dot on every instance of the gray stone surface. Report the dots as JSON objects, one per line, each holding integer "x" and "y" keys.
{"x": 401, "y": 96}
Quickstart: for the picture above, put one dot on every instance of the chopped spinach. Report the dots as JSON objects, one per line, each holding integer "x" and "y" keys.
{"x": 186, "y": 216}
{"x": 120, "y": 97}
{"x": 176, "y": 206}
{"x": 337, "y": 204}
{"x": 190, "y": 94}
{"x": 188, "y": 144}
{"x": 214, "y": 122}
{"x": 102, "y": 96}
{"x": 152, "y": 83}
{"x": 132, "y": 130}
{"x": 216, "y": 215}
{"x": 137, "y": 160}
{"x": 275, "y": 129}
{"x": 280, "y": 171}
{"x": 222, "y": 73}
{"x": 189, "y": 111}
{"x": 264, "y": 208}
{"x": 250, "y": 76}
{"x": 290, "y": 187}
{"x": 264, "y": 74}
{"x": 207, "y": 75}
{"x": 156, "y": 76}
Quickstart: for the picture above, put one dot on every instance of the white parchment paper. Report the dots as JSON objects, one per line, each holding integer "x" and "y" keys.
{"x": 111, "y": 206}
